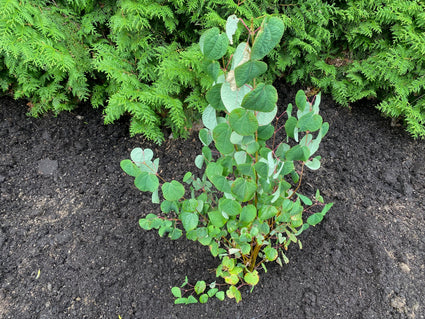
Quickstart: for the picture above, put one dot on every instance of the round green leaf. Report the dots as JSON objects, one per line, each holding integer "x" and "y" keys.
{"x": 187, "y": 177}
{"x": 265, "y": 132}
{"x": 146, "y": 182}
{"x": 213, "y": 97}
{"x": 203, "y": 298}
{"x": 175, "y": 234}
{"x": 232, "y": 279}
{"x": 206, "y": 152}
{"x": 267, "y": 38}
{"x": 200, "y": 286}
{"x": 213, "y": 44}
{"x": 310, "y": 122}
{"x": 235, "y": 138}
{"x": 267, "y": 212}
{"x": 324, "y": 129}
{"x": 271, "y": 253}
{"x": 298, "y": 153}
{"x": 244, "y": 189}
{"x": 301, "y": 100}
{"x": 213, "y": 69}
{"x": 199, "y": 161}
{"x": 251, "y": 278}
{"x": 315, "y": 219}
{"x": 251, "y": 148}
{"x": 221, "y": 183}
{"x": 290, "y": 126}
{"x": 220, "y": 295}
{"x": 209, "y": 117}
{"x": 263, "y": 98}
{"x": 221, "y": 136}
{"x": 230, "y": 207}
{"x": 262, "y": 169}
{"x": 248, "y": 71}
{"x": 129, "y": 167}
{"x": 205, "y": 136}
{"x": 191, "y": 299}
{"x": 176, "y": 292}
{"x": 243, "y": 122}
{"x": 189, "y": 205}
{"x": 212, "y": 291}
{"x": 217, "y": 219}
{"x": 167, "y": 206}
{"x": 213, "y": 169}
{"x": 172, "y": 191}
{"x": 240, "y": 157}
{"x": 189, "y": 220}
{"x": 248, "y": 214}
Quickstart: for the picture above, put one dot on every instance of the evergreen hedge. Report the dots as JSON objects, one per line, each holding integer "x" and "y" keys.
{"x": 142, "y": 57}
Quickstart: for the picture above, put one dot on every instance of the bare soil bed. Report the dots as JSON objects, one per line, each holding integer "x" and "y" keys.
{"x": 71, "y": 247}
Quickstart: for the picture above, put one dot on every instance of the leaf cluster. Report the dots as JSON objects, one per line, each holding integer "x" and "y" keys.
{"x": 246, "y": 206}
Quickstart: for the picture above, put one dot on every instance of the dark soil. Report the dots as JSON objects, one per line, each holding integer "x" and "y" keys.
{"x": 71, "y": 247}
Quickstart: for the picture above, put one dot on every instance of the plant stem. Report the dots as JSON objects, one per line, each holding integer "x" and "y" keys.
{"x": 254, "y": 256}
{"x": 299, "y": 182}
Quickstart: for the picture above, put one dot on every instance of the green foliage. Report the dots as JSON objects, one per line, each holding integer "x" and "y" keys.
{"x": 127, "y": 56}
{"x": 138, "y": 57}
{"x": 360, "y": 49}
{"x": 246, "y": 207}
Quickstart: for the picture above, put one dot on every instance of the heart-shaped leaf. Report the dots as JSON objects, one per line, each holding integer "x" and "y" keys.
{"x": 129, "y": 167}
{"x": 263, "y": 98}
{"x": 230, "y": 207}
{"x": 205, "y": 136}
{"x": 146, "y": 182}
{"x": 244, "y": 189}
{"x": 267, "y": 38}
{"x": 248, "y": 71}
{"x": 251, "y": 278}
{"x": 189, "y": 220}
{"x": 221, "y": 136}
{"x": 298, "y": 153}
{"x": 213, "y": 44}
{"x": 310, "y": 122}
{"x": 266, "y": 212}
{"x": 217, "y": 219}
{"x": 243, "y": 122}
{"x": 248, "y": 214}
{"x": 172, "y": 191}
{"x": 139, "y": 155}
{"x": 213, "y": 97}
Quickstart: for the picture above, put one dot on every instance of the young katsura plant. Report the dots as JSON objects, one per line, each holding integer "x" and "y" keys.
{"x": 246, "y": 206}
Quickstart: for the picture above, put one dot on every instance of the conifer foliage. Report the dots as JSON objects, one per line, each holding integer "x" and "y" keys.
{"x": 359, "y": 48}
{"x": 136, "y": 57}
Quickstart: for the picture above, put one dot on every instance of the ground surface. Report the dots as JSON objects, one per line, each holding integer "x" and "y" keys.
{"x": 71, "y": 247}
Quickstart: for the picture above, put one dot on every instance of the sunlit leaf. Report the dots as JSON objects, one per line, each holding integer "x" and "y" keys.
{"x": 172, "y": 191}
